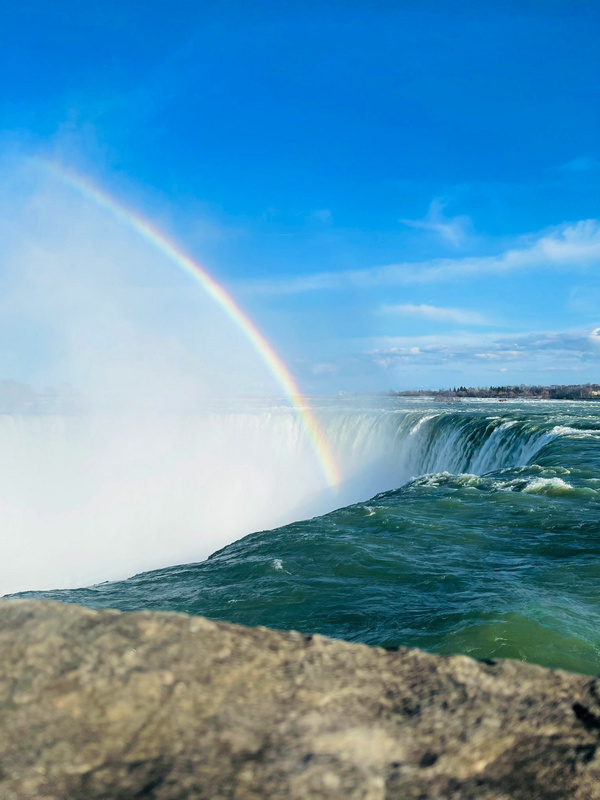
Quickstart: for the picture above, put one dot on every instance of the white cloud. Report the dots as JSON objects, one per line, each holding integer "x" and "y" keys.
{"x": 451, "y": 229}
{"x": 575, "y": 245}
{"x": 457, "y": 315}
{"x": 566, "y": 349}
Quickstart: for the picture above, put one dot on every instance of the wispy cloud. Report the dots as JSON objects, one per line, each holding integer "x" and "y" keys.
{"x": 567, "y": 349}
{"x": 584, "y": 300}
{"x": 324, "y": 369}
{"x": 581, "y": 164}
{"x": 451, "y": 229}
{"x": 459, "y": 316}
{"x": 322, "y": 215}
{"x": 574, "y": 245}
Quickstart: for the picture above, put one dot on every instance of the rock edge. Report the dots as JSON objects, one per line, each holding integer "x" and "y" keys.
{"x": 100, "y": 705}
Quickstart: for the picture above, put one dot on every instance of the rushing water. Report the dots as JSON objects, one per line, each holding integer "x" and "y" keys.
{"x": 484, "y": 539}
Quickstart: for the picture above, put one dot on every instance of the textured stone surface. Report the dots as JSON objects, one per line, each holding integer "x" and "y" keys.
{"x": 147, "y": 705}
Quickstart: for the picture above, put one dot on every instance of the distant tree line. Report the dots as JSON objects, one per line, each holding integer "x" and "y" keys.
{"x": 578, "y": 391}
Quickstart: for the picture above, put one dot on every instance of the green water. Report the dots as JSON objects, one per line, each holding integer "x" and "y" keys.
{"x": 492, "y": 550}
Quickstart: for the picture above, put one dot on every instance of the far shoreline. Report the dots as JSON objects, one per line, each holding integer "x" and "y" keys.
{"x": 587, "y": 392}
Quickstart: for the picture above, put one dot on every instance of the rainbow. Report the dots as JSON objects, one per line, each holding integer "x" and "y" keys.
{"x": 177, "y": 256}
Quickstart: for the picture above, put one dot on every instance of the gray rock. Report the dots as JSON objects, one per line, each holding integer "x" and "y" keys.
{"x": 98, "y": 704}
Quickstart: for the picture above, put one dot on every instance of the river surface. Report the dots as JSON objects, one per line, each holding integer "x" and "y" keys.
{"x": 477, "y": 531}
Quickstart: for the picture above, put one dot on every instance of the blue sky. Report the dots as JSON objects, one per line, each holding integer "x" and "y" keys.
{"x": 402, "y": 194}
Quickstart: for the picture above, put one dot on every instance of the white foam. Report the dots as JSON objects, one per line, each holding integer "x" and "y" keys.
{"x": 565, "y": 430}
{"x": 548, "y": 486}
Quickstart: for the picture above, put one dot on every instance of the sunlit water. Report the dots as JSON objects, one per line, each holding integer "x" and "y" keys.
{"x": 485, "y": 540}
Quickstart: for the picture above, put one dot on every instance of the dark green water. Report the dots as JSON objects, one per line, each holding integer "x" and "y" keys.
{"x": 493, "y": 550}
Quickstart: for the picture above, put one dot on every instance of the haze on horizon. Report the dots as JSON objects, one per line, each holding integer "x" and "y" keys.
{"x": 401, "y": 195}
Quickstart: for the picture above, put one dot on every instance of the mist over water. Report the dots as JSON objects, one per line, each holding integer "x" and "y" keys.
{"x": 486, "y": 540}
{"x": 147, "y": 466}
{"x": 87, "y": 498}
{"x": 95, "y": 497}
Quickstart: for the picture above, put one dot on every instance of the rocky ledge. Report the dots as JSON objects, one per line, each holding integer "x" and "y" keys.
{"x": 98, "y": 704}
